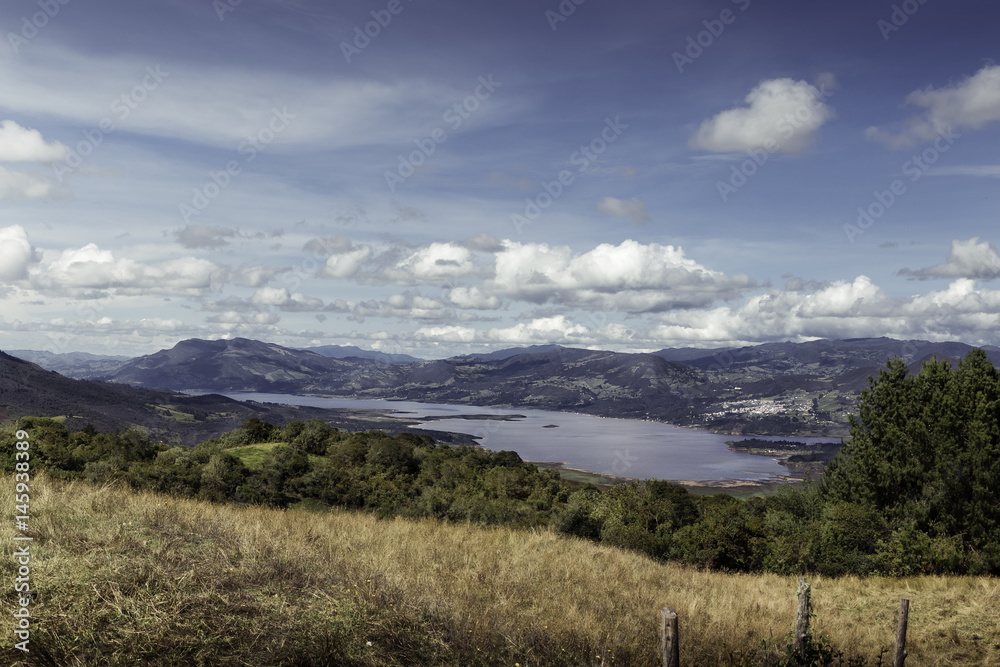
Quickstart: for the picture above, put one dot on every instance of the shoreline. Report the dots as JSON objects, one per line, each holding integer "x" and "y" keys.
{"x": 480, "y": 413}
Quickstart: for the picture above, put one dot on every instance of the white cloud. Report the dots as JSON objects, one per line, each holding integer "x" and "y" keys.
{"x": 24, "y": 185}
{"x": 232, "y": 319}
{"x": 435, "y": 264}
{"x": 448, "y": 334}
{"x": 844, "y": 309}
{"x": 968, "y": 259}
{"x": 19, "y": 144}
{"x": 16, "y": 253}
{"x": 629, "y": 277}
{"x": 347, "y": 264}
{"x": 472, "y": 298}
{"x": 632, "y": 210}
{"x": 405, "y": 306}
{"x": 91, "y": 268}
{"x": 782, "y": 116}
{"x": 281, "y": 298}
{"x": 557, "y": 329}
{"x": 973, "y": 103}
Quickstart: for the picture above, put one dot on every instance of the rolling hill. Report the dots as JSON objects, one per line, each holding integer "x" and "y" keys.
{"x": 26, "y": 389}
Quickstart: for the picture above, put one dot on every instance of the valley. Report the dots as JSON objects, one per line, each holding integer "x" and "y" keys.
{"x": 781, "y": 389}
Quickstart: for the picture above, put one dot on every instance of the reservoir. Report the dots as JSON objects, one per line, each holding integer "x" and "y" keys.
{"x": 619, "y": 447}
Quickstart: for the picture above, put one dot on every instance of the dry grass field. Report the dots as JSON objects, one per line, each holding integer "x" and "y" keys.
{"x": 126, "y": 578}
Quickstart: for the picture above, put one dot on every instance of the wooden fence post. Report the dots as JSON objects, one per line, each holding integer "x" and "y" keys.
{"x": 904, "y": 614}
{"x": 669, "y": 641}
{"x": 802, "y": 618}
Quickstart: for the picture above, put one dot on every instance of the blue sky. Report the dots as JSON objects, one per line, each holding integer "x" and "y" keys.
{"x": 436, "y": 177}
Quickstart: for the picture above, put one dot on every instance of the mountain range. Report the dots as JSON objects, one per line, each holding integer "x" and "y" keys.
{"x": 773, "y": 389}
{"x": 27, "y": 389}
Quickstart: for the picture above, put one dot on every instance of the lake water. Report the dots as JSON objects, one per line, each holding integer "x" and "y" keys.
{"x": 620, "y": 447}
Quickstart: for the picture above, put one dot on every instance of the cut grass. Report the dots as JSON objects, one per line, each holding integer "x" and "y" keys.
{"x": 126, "y": 578}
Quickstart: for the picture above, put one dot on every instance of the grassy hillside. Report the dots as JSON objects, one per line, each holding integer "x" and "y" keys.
{"x": 125, "y": 578}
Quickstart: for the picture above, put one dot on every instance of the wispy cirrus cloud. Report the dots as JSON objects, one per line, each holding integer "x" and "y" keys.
{"x": 632, "y": 209}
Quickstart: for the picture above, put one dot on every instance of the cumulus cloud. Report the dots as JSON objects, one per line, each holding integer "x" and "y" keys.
{"x": 24, "y": 185}
{"x": 435, "y": 264}
{"x": 407, "y": 306}
{"x": 90, "y": 269}
{"x": 630, "y": 277}
{"x": 19, "y": 144}
{"x": 16, "y": 253}
{"x": 281, "y": 298}
{"x": 234, "y": 319}
{"x": 346, "y": 264}
{"x": 632, "y": 210}
{"x": 843, "y": 309}
{"x": 256, "y": 275}
{"x": 968, "y": 259}
{"x": 782, "y": 115}
{"x": 557, "y": 329}
{"x": 472, "y": 298}
{"x": 397, "y": 264}
{"x": 972, "y": 103}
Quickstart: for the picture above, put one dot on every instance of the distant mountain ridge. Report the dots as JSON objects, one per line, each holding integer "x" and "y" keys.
{"x": 563, "y": 378}
{"x": 27, "y": 389}
{"x": 80, "y": 365}
{"x": 237, "y": 364}
{"x": 777, "y": 388}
